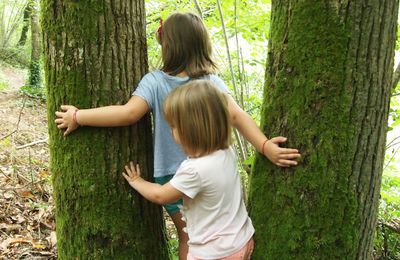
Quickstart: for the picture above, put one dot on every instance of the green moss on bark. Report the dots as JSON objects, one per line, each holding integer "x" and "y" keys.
{"x": 310, "y": 211}
{"x": 87, "y": 64}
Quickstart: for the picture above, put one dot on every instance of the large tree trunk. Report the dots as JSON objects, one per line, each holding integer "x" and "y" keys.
{"x": 95, "y": 53}
{"x": 327, "y": 89}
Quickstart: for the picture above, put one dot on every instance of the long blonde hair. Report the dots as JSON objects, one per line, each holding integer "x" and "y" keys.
{"x": 199, "y": 112}
{"x": 186, "y": 46}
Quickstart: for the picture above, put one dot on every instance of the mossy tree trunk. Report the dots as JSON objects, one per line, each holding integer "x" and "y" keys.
{"x": 327, "y": 89}
{"x": 35, "y": 77}
{"x": 95, "y": 52}
{"x": 25, "y": 27}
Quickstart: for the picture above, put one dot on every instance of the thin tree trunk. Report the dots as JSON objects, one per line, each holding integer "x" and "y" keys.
{"x": 328, "y": 84}
{"x": 35, "y": 77}
{"x": 95, "y": 53}
{"x": 228, "y": 52}
{"x": 26, "y": 21}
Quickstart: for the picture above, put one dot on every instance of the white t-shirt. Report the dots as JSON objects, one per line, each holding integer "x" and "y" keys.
{"x": 216, "y": 218}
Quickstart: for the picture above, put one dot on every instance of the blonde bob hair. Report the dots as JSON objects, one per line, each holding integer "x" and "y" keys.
{"x": 199, "y": 112}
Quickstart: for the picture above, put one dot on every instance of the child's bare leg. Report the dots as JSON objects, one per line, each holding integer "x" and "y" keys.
{"x": 182, "y": 235}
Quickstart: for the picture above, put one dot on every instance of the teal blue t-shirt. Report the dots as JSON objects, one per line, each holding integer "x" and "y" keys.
{"x": 153, "y": 88}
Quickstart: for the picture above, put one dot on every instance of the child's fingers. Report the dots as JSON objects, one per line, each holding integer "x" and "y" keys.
{"x": 126, "y": 176}
{"x": 59, "y": 114}
{"x": 61, "y": 126}
{"x": 138, "y": 169}
{"x": 289, "y": 156}
{"x": 133, "y": 169}
{"x": 128, "y": 170}
{"x": 287, "y": 162}
{"x": 282, "y": 165}
{"x": 66, "y": 107}
{"x": 278, "y": 139}
{"x": 68, "y": 131}
{"x": 289, "y": 150}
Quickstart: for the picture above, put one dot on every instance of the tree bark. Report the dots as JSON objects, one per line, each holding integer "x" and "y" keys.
{"x": 328, "y": 84}
{"x": 95, "y": 53}
{"x": 25, "y": 27}
{"x": 35, "y": 77}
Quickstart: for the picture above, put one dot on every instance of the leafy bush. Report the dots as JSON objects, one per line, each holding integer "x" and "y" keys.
{"x": 387, "y": 241}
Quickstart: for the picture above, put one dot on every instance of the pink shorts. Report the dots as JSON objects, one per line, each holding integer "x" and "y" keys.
{"x": 243, "y": 254}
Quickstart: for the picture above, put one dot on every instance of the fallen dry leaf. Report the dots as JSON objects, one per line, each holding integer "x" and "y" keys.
{"x": 26, "y": 194}
{"x": 52, "y": 239}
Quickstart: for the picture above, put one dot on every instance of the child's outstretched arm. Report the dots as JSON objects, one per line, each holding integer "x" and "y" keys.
{"x": 160, "y": 194}
{"x": 283, "y": 157}
{"x": 120, "y": 115}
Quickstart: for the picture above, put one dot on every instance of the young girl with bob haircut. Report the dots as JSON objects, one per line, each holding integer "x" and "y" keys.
{"x": 186, "y": 55}
{"x": 208, "y": 180}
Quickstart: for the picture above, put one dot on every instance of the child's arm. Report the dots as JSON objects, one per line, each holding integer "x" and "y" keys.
{"x": 283, "y": 157}
{"x": 160, "y": 194}
{"x": 119, "y": 115}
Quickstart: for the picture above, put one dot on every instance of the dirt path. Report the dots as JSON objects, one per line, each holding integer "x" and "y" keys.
{"x": 26, "y": 207}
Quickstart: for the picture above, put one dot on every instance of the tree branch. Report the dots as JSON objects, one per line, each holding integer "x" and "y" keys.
{"x": 227, "y": 50}
{"x": 396, "y": 77}
{"x": 196, "y": 3}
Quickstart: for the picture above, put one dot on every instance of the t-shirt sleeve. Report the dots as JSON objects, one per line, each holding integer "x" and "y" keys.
{"x": 187, "y": 180}
{"x": 146, "y": 89}
{"x": 219, "y": 83}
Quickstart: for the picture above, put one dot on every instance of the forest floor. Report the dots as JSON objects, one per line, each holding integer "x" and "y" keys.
{"x": 27, "y": 223}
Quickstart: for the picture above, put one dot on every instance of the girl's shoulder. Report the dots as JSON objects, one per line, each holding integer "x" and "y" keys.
{"x": 152, "y": 78}
{"x": 218, "y": 82}
{"x": 153, "y": 75}
{"x": 214, "y": 77}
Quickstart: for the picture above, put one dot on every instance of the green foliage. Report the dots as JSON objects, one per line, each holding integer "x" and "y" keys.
{"x": 10, "y": 21}
{"x": 173, "y": 247}
{"x": 3, "y": 82}
{"x": 394, "y": 112}
{"x": 6, "y": 142}
{"x": 15, "y": 56}
{"x": 387, "y": 242}
{"x": 35, "y": 92}
{"x": 390, "y": 196}
{"x": 35, "y": 77}
{"x": 3, "y": 85}
{"x": 35, "y": 87}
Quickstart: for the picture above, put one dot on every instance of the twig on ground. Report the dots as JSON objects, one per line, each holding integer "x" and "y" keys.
{"x": 19, "y": 120}
{"x": 7, "y": 135}
{"x": 5, "y": 175}
{"x": 33, "y": 143}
